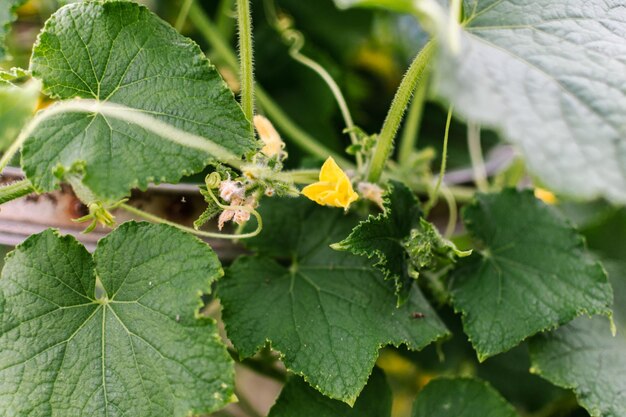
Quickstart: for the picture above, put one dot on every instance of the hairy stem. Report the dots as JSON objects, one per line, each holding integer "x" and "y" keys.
{"x": 210, "y": 33}
{"x": 246, "y": 65}
{"x": 410, "y": 133}
{"x": 15, "y": 190}
{"x": 298, "y": 136}
{"x": 394, "y": 117}
{"x": 296, "y": 40}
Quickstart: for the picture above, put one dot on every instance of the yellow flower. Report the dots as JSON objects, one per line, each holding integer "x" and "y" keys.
{"x": 333, "y": 188}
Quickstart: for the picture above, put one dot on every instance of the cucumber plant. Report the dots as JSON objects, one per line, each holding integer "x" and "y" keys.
{"x": 349, "y": 272}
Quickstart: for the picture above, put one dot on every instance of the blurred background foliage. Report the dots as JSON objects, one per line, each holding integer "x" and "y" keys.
{"x": 366, "y": 51}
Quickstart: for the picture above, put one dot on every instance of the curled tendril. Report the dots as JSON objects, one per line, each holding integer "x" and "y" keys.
{"x": 242, "y": 208}
{"x": 295, "y": 39}
{"x": 158, "y": 219}
{"x": 213, "y": 180}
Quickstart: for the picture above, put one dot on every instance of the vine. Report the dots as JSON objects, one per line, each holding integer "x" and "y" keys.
{"x": 337, "y": 265}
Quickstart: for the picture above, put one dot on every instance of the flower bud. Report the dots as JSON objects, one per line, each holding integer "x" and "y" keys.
{"x": 273, "y": 144}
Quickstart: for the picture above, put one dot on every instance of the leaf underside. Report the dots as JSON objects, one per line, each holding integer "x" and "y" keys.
{"x": 551, "y": 77}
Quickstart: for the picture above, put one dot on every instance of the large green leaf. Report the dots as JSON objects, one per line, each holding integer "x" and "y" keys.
{"x": 121, "y": 53}
{"x": 533, "y": 274}
{"x": 400, "y": 238}
{"x": 299, "y": 399}
{"x": 461, "y": 398}
{"x": 327, "y": 312}
{"x": 7, "y": 16}
{"x": 139, "y": 349}
{"x": 551, "y": 77}
{"x": 587, "y": 358}
{"x": 17, "y": 105}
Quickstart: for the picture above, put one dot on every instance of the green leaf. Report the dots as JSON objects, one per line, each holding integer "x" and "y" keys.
{"x": 298, "y": 399}
{"x": 17, "y": 105}
{"x": 120, "y": 53}
{"x": 461, "y": 398}
{"x": 116, "y": 334}
{"x": 7, "y": 17}
{"x": 327, "y": 312}
{"x": 586, "y": 357}
{"x": 533, "y": 274}
{"x": 400, "y": 238}
{"x": 551, "y": 79}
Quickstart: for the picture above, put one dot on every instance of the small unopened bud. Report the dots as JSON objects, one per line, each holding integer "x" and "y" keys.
{"x": 269, "y": 191}
{"x": 371, "y": 192}
{"x": 273, "y": 144}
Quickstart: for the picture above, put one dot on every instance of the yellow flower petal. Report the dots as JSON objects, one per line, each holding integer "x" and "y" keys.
{"x": 333, "y": 189}
{"x": 331, "y": 172}
{"x": 545, "y": 196}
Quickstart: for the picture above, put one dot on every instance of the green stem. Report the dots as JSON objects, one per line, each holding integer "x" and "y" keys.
{"x": 208, "y": 30}
{"x": 452, "y": 210}
{"x": 476, "y": 157}
{"x": 182, "y": 15}
{"x": 403, "y": 95}
{"x": 334, "y": 88}
{"x": 15, "y": 190}
{"x": 157, "y": 219}
{"x": 296, "y": 39}
{"x": 408, "y": 141}
{"x": 298, "y": 136}
{"x": 224, "y": 20}
{"x": 442, "y": 170}
{"x": 244, "y": 22}
{"x": 461, "y": 194}
{"x": 297, "y": 176}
